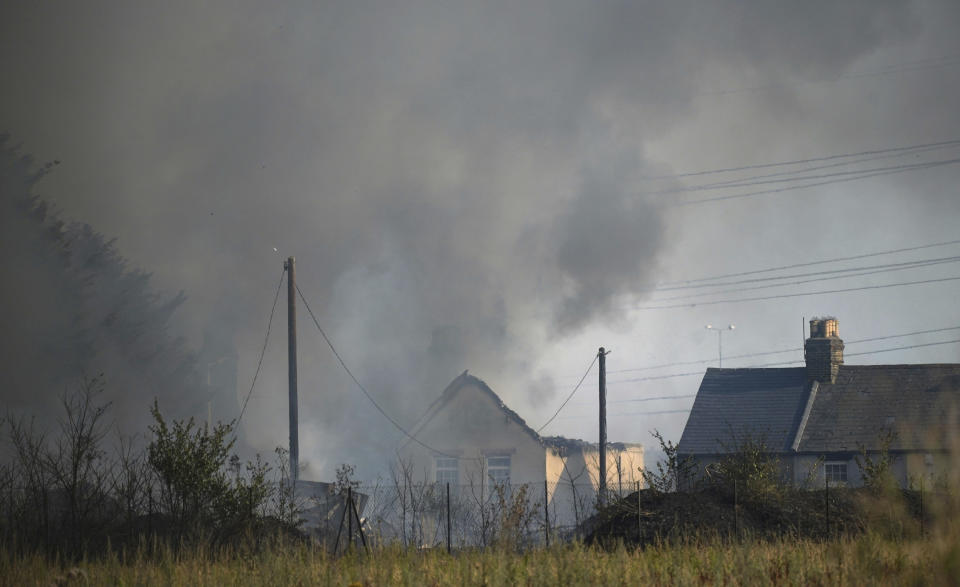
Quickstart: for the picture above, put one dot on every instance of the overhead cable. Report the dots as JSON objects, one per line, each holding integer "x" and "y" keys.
{"x": 803, "y": 161}
{"x": 826, "y": 275}
{"x": 692, "y": 373}
{"x": 263, "y": 351}
{"x": 752, "y": 181}
{"x": 576, "y": 387}
{"x": 360, "y": 385}
{"x": 811, "y": 263}
{"x": 790, "y": 350}
{"x": 797, "y": 295}
{"x": 915, "y": 167}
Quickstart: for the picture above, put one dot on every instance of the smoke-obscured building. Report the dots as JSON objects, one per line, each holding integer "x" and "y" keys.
{"x": 476, "y": 443}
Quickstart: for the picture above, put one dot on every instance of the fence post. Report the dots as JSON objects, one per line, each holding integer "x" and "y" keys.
{"x": 921, "y": 507}
{"x": 363, "y": 538}
{"x": 349, "y": 518}
{"x": 546, "y": 514}
{"x": 639, "y": 518}
{"x": 736, "y": 510}
{"x": 826, "y": 499}
{"x": 449, "y": 548}
{"x": 798, "y": 522}
{"x": 150, "y": 512}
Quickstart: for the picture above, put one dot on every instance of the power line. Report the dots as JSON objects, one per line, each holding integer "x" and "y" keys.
{"x": 797, "y": 295}
{"x": 360, "y": 385}
{"x": 901, "y": 348}
{"x": 794, "y": 172}
{"x": 759, "y": 180}
{"x": 792, "y": 350}
{"x": 915, "y": 167}
{"x": 826, "y": 276}
{"x": 263, "y": 351}
{"x": 821, "y": 262}
{"x": 692, "y": 373}
{"x": 931, "y": 330}
{"x": 579, "y": 383}
{"x": 933, "y": 63}
{"x": 802, "y": 161}
{"x": 682, "y": 396}
{"x": 890, "y": 266}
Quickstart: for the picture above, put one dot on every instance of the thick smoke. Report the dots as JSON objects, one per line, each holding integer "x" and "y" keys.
{"x": 459, "y": 181}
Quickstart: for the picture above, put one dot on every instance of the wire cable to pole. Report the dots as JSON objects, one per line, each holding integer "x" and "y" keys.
{"x": 860, "y": 354}
{"x": 809, "y": 263}
{"x": 803, "y": 161}
{"x": 797, "y": 295}
{"x": 914, "y": 167}
{"x": 579, "y": 383}
{"x": 790, "y": 350}
{"x": 823, "y": 274}
{"x": 360, "y": 385}
{"x": 263, "y": 351}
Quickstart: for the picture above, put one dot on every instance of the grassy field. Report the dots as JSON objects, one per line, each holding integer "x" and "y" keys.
{"x": 865, "y": 560}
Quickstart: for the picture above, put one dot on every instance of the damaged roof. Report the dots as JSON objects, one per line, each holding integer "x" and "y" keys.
{"x": 465, "y": 379}
{"x": 461, "y": 381}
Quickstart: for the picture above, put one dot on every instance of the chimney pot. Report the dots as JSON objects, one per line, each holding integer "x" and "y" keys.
{"x": 823, "y": 351}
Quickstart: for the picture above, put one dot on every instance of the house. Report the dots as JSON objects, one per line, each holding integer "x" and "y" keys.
{"x": 817, "y": 419}
{"x": 470, "y": 439}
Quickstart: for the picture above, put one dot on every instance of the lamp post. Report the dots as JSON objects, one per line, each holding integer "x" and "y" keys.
{"x": 719, "y": 330}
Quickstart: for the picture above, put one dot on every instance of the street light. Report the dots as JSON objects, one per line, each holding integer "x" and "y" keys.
{"x": 719, "y": 330}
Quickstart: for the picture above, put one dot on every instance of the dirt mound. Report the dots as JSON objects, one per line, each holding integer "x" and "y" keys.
{"x": 651, "y": 517}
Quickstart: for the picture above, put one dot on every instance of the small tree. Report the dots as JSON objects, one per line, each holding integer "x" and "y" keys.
{"x": 671, "y": 473}
{"x": 75, "y": 462}
{"x": 130, "y": 478}
{"x": 877, "y": 471}
{"x": 190, "y": 464}
{"x": 345, "y": 480}
{"x": 517, "y": 516}
{"x": 284, "y": 504}
{"x": 748, "y": 467}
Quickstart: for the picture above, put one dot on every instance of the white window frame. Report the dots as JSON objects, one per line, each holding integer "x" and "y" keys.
{"x": 840, "y": 474}
{"x": 496, "y": 465}
{"x": 447, "y": 471}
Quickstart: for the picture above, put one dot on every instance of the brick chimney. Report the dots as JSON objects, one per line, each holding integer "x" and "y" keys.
{"x": 823, "y": 350}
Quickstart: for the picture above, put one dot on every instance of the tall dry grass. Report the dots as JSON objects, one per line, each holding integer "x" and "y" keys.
{"x": 865, "y": 560}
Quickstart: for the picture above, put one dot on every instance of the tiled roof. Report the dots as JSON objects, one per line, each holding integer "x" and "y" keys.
{"x": 919, "y": 403}
{"x": 767, "y": 404}
{"x": 916, "y": 402}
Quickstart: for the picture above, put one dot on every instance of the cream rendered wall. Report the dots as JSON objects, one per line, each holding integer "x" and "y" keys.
{"x": 472, "y": 427}
{"x": 573, "y": 476}
{"x": 630, "y": 459}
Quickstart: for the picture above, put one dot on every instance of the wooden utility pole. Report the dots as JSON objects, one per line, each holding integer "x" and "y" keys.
{"x": 602, "y": 491}
{"x": 292, "y": 362}
{"x": 449, "y": 542}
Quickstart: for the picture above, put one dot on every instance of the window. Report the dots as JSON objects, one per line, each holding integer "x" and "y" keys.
{"x": 498, "y": 469}
{"x": 836, "y": 473}
{"x": 448, "y": 471}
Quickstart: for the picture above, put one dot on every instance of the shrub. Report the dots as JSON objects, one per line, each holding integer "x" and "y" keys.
{"x": 670, "y": 474}
{"x": 748, "y": 468}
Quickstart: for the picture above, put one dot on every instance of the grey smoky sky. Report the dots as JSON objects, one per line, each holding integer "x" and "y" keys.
{"x": 465, "y": 184}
